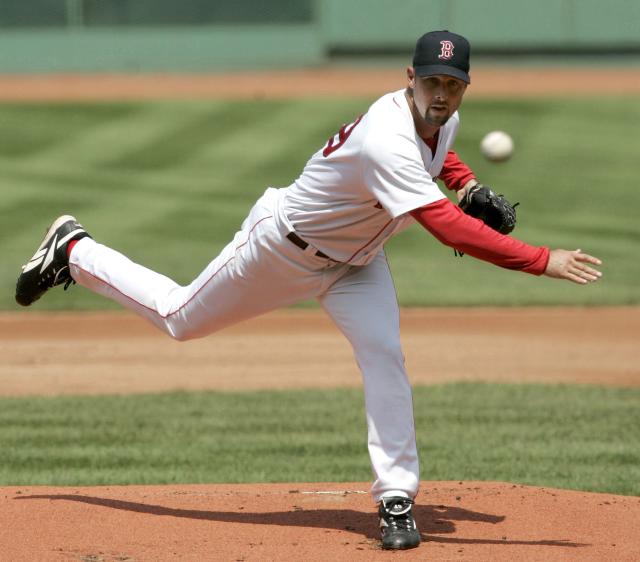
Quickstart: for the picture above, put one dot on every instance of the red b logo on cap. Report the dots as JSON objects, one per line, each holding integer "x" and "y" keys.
{"x": 447, "y": 50}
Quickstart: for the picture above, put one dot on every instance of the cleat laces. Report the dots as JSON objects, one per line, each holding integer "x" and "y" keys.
{"x": 61, "y": 276}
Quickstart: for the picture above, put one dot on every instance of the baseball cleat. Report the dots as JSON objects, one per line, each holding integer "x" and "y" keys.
{"x": 397, "y": 527}
{"x": 49, "y": 266}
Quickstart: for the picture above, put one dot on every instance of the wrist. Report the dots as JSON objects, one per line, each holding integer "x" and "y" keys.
{"x": 460, "y": 193}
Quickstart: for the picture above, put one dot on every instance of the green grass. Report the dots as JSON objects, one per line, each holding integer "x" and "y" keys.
{"x": 562, "y": 436}
{"x": 168, "y": 183}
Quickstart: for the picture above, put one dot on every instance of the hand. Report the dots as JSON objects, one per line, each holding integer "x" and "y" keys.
{"x": 463, "y": 190}
{"x": 492, "y": 209}
{"x": 571, "y": 265}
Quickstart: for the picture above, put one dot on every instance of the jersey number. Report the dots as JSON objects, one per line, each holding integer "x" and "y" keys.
{"x": 336, "y": 141}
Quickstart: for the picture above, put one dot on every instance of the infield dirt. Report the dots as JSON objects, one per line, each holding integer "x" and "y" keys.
{"x": 118, "y": 353}
{"x": 494, "y": 82}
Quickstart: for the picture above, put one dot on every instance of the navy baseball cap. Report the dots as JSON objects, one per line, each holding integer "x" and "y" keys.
{"x": 442, "y": 52}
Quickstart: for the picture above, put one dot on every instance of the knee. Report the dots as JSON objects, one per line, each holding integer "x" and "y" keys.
{"x": 182, "y": 328}
{"x": 180, "y": 336}
{"x": 379, "y": 344}
{"x": 181, "y": 332}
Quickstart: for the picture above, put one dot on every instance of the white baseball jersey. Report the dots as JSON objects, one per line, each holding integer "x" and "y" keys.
{"x": 355, "y": 192}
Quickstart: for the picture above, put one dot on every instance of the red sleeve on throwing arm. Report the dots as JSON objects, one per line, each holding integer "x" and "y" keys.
{"x": 455, "y": 173}
{"x": 451, "y": 226}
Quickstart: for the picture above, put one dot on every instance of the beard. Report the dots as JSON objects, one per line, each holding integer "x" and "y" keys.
{"x": 427, "y": 115}
{"x": 436, "y": 120}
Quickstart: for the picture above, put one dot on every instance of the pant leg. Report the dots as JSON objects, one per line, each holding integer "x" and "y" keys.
{"x": 364, "y": 306}
{"x": 260, "y": 270}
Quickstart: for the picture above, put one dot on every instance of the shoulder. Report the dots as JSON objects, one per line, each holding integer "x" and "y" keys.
{"x": 389, "y": 112}
{"x": 389, "y": 127}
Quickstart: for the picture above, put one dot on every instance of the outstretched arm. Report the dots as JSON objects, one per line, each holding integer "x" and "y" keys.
{"x": 454, "y": 228}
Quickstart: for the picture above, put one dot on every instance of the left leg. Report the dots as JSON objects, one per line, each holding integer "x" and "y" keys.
{"x": 364, "y": 306}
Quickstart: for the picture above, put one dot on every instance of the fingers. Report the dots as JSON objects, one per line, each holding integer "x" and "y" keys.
{"x": 580, "y": 256}
{"x": 574, "y": 266}
{"x": 586, "y": 274}
{"x": 575, "y": 278}
{"x": 580, "y": 273}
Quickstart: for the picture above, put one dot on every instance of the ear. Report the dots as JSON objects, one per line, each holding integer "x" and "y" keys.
{"x": 411, "y": 77}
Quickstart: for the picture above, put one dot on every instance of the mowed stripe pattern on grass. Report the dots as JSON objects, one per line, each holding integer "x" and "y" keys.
{"x": 168, "y": 183}
{"x": 148, "y": 178}
{"x": 565, "y": 436}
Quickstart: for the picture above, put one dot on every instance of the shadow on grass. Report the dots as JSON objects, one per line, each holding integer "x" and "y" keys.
{"x": 431, "y": 519}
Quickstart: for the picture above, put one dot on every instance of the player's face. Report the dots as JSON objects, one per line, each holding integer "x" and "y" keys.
{"x": 435, "y": 98}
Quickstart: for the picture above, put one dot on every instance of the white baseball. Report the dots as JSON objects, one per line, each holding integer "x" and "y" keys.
{"x": 497, "y": 146}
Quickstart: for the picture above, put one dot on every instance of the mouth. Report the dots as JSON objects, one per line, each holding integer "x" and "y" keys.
{"x": 437, "y": 114}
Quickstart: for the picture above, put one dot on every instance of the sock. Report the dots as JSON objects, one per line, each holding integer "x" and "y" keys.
{"x": 70, "y": 247}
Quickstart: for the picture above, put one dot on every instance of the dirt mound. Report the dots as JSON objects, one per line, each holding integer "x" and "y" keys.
{"x": 287, "y": 522}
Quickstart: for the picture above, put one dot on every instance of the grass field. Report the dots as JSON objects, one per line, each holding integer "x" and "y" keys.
{"x": 560, "y": 436}
{"x": 168, "y": 183}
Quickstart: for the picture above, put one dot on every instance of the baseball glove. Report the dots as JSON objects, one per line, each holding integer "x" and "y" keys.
{"x": 494, "y": 210}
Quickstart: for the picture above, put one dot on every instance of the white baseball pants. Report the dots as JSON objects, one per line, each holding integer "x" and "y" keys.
{"x": 261, "y": 270}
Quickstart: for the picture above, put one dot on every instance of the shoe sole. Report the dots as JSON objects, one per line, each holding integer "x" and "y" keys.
{"x": 403, "y": 547}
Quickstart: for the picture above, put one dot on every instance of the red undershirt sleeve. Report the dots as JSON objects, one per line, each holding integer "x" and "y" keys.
{"x": 455, "y": 173}
{"x": 451, "y": 226}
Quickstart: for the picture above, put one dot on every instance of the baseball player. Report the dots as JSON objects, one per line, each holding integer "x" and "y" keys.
{"x": 323, "y": 237}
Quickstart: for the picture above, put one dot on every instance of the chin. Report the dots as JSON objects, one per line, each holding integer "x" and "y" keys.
{"x": 437, "y": 121}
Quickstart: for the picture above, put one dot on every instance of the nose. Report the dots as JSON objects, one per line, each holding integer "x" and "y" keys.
{"x": 440, "y": 94}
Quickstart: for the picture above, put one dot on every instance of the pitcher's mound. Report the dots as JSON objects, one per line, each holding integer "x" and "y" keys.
{"x": 458, "y": 521}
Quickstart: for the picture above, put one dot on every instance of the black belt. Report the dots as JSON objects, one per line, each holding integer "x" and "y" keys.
{"x": 304, "y": 245}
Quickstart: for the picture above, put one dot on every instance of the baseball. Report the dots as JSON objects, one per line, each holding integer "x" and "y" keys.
{"x": 497, "y": 146}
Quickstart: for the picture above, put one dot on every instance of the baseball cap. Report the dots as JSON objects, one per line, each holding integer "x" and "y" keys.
{"x": 442, "y": 52}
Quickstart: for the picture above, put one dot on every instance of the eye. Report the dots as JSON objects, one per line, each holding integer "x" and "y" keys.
{"x": 454, "y": 86}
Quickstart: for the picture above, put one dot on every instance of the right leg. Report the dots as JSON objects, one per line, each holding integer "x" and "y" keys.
{"x": 258, "y": 271}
